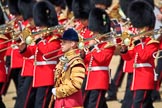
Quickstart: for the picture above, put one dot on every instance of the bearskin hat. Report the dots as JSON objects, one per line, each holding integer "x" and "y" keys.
{"x": 105, "y": 2}
{"x": 60, "y": 3}
{"x": 125, "y": 3}
{"x": 13, "y": 7}
{"x": 44, "y": 14}
{"x": 69, "y": 4}
{"x": 141, "y": 14}
{"x": 26, "y": 8}
{"x": 81, "y": 8}
{"x": 2, "y": 20}
{"x": 99, "y": 21}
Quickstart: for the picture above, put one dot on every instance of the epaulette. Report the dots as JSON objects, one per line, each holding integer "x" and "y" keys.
{"x": 108, "y": 45}
{"x": 152, "y": 41}
{"x": 54, "y": 37}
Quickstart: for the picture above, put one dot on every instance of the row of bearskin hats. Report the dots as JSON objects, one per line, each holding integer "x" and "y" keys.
{"x": 140, "y": 12}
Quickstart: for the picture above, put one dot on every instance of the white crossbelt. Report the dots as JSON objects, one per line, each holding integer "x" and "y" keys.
{"x": 45, "y": 62}
{"x": 137, "y": 65}
{"x": 97, "y": 68}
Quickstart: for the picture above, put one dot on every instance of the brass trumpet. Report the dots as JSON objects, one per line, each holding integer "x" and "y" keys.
{"x": 28, "y": 37}
{"x": 4, "y": 49}
{"x": 58, "y": 29}
{"x": 15, "y": 36}
{"x": 52, "y": 52}
{"x": 110, "y": 37}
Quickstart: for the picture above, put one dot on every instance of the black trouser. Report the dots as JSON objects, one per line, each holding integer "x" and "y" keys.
{"x": 95, "y": 99}
{"x": 128, "y": 97}
{"x": 26, "y": 95}
{"x": 13, "y": 74}
{"x": 142, "y": 99}
{"x": 2, "y": 105}
{"x": 83, "y": 86}
{"x": 117, "y": 81}
{"x": 43, "y": 96}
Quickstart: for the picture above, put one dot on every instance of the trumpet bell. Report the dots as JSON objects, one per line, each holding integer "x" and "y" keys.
{"x": 125, "y": 37}
{"x": 29, "y": 40}
{"x": 81, "y": 45}
{"x": 25, "y": 33}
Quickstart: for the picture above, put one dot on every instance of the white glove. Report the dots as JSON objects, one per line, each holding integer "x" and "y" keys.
{"x": 54, "y": 91}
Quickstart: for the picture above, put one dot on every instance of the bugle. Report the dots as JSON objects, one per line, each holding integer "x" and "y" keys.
{"x": 58, "y": 29}
{"x": 4, "y": 49}
{"x": 15, "y": 37}
{"x": 150, "y": 33}
{"x": 52, "y": 52}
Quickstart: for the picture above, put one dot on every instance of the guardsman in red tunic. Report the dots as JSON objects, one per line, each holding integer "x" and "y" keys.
{"x": 81, "y": 10}
{"x": 116, "y": 81}
{"x": 144, "y": 75}
{"x": 97, "y": 61}
{"x": 13, "y": 58}
{"x": 3, "y": 38}
{"x": 2, "y": 65}
{"x": 156, "y": 95}
{"x": 128, "y": 64}
{"x": 43, "y": 73}
{"x": 25, "y": 28}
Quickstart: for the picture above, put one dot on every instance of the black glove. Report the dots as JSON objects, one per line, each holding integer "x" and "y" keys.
{"x": 38, "y": 40}
{"x": 136, "y": 42}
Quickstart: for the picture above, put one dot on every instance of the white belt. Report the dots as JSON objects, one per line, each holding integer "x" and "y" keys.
{"x": 137, "y": 65}
{"x": 97, "y": 68}
{"x": 45, "y": 62}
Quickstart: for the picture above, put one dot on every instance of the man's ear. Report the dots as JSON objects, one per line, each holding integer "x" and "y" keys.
{"x": 73, "y": 44}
